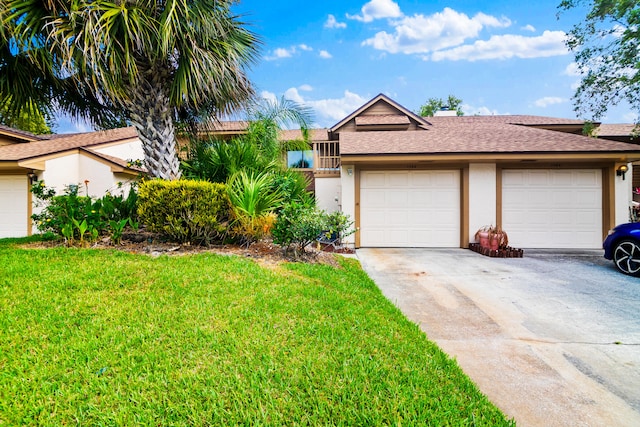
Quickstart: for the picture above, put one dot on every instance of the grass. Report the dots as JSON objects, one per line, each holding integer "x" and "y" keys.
{"x": 95, "y": 337}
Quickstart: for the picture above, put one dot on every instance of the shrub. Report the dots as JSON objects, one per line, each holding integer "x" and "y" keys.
{"x": 185, "y": 210}
{"x": 253, "y": 202}
{"x": 293, "y": 185}
{"x": 298, "y": 225}
{"x": 81, "y": 218}
{"x": 339, "y": 226}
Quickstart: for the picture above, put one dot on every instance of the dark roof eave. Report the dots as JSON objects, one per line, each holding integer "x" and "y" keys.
{"x": 630, "y": 155}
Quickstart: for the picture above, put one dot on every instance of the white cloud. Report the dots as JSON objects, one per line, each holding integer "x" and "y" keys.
{"x": 378, "y": 9}
{"x": 422, "y": 34}
{"x": 327, "y": 111}
{"x": 572, "y": 70}
{"x": 529, "y": 27}
{"x": 293, "y": 95}
{"x": 269, "y": 96}
{"x": 550, "y": 43}
{"x": 306, "y": 88}
{"x": 325, "y": 55}
{"x": 549, "y": 100}
{"x": 332, "y": 22}
{"x": 282, "y": 52}
{"x": 470, "y": 110}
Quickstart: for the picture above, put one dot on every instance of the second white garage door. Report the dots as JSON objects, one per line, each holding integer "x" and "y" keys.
{"x": 552, "y": 208}
{"x": 410, "y": 208}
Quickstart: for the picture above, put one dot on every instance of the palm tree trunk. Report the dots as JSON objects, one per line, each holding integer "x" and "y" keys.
{"x": 151, "y": 114}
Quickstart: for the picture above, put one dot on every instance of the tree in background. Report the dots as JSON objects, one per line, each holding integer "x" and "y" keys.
{"x": 606, "y": 46}
{"x": 30, "y": 119}
{"x": 435, "y": 104}
{"x": 146, "y": 62}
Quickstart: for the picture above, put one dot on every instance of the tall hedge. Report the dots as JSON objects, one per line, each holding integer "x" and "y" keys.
{"x": 185, "y": 210}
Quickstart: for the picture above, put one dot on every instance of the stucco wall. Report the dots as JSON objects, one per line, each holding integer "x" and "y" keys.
{"x": 624, "y": 196}
{"x": 62, "y": 171}
{"x": 328, "y": 197}
{"x": 482, "y": 196}
{"x": 128, "y": 151}
{"x": 99, "y": 176}
{"x": 348, "y": 184}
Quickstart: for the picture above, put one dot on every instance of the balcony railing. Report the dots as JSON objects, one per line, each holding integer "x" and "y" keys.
{"x": 326, "y": 158}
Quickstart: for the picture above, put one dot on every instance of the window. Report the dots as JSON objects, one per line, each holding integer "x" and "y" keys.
{"x": 300, "y": 159}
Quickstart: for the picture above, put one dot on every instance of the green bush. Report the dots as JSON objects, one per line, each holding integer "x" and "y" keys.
{"x": 298, "y": 225}
{"x": 185, "y": 210}
{"x": 82, "y": 219}
{"x": 339, "y": 226}
{"x": 253, "y": 202}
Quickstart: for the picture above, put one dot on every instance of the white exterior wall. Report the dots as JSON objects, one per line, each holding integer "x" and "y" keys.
{"x": 328, "y": 197}
{"x": 101, "y": 178}
{"x": 348, "y": 184}
{"x": 623, "y": 195}
{"x": 482, "y": 197}
{"x": 62, "y": 171}
{"x": 129, "y": 151}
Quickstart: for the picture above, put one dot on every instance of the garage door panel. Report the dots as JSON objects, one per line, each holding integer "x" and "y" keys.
{"x": 377, "y": 198}
{"x": 553, "y": 208}
{"x": 397, "y": 180}
{"x": 375, "y": 180}
{"x": 410, "y": 208}
{"x": 397, "y": 198}
{"x": 13, "y": 206}
{"x": 421, "y": 179}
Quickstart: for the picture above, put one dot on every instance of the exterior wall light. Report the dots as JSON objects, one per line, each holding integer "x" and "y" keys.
{"x": 349, "y": 171}
{"x": 32, "y": 178}
{"x": 622, "y": 170}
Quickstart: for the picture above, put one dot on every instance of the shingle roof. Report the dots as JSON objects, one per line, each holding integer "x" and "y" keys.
{"x": 19, "y": 134}
{"x": 116, "y": 160}
{"x": 614, "y": 130}
{"x": 516, "y": 119}
{"x": 477, "y": 134}
{"x": 16, "y": 152}
{"x": 296, "y": 134}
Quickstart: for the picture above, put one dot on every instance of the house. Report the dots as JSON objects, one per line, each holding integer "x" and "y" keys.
{"x": 410, "y": 181}
{"x": 97, "y": 161}
{"x": 406, "y": 180}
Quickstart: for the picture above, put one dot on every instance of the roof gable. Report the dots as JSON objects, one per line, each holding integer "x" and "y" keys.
{"x": 39, "y": 148}
{"x": 11, "y": 136}
{"x": 380, "y": 113}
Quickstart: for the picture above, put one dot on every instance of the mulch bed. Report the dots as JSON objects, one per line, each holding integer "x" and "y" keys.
{"x": 264, "y": 252}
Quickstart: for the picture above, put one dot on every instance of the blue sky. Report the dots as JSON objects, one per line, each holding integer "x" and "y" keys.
{"x": 499, "y": 57}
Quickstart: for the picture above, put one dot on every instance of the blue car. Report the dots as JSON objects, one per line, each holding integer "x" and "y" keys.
{"x": 622, "y": 245}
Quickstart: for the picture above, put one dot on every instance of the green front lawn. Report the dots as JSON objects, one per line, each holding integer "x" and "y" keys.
{"x": 96, "y": 337}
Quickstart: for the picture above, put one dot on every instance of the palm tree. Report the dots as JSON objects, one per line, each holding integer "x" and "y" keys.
{"x": 145, "y": 61}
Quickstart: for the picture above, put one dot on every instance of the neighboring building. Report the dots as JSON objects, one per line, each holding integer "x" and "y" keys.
{"x": 97, "y": 161}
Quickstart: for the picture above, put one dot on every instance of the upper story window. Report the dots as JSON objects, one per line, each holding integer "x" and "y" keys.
{"x": 300, "y": 159}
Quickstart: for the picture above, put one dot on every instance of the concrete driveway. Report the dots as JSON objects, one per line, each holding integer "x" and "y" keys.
{"x": 553, "y": 339}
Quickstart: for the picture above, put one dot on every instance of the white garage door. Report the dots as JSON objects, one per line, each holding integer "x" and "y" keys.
{"x": 13, "y": 205}
{"x": 410, "y": 209}
{"x": 552, "y": 208}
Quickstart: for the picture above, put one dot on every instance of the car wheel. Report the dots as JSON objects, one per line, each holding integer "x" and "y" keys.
{"x": 626, "y": 257}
